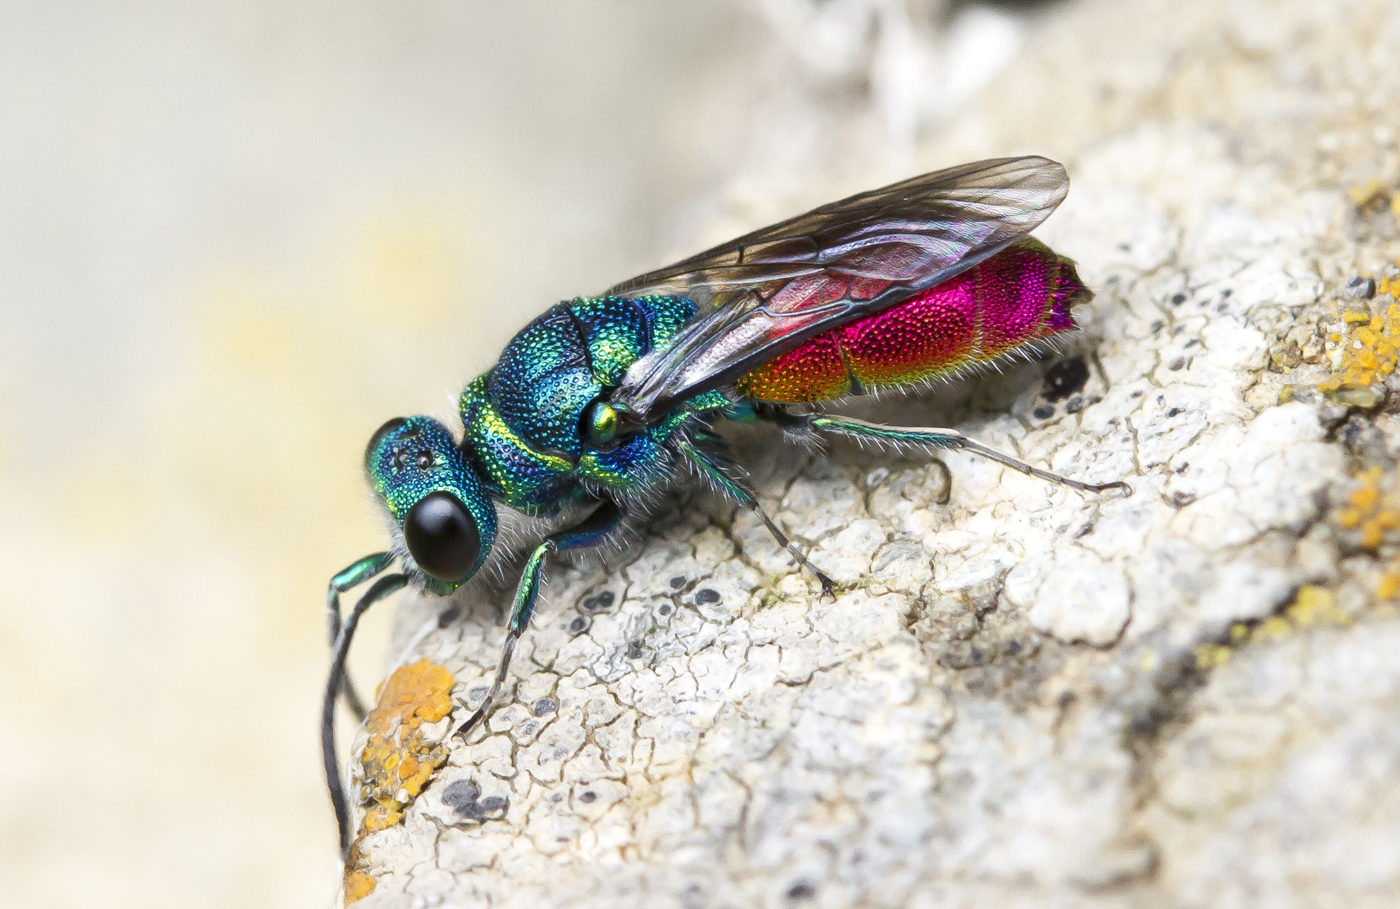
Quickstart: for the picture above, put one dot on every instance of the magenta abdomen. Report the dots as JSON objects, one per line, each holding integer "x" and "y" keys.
{"x": 1022, "y": 294}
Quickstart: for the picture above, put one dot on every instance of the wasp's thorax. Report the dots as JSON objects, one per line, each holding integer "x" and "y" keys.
{"x": 447, "y": 522}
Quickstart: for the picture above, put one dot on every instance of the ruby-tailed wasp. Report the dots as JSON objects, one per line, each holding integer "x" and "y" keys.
{"x": 602, "y": 401}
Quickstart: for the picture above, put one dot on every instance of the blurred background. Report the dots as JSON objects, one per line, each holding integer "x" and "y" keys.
{"x": 234, "y": 239}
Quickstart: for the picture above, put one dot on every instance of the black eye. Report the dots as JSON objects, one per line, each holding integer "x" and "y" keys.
{"x": 442, "y": 537}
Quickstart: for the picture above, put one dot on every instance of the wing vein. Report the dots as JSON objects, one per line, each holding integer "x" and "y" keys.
{"x": 766, "y": 292}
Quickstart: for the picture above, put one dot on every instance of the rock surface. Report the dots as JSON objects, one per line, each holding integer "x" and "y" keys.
{"x": 1022, "y": 695}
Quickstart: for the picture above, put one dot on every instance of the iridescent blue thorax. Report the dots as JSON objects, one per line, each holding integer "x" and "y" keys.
{"x": 524, "y": 417}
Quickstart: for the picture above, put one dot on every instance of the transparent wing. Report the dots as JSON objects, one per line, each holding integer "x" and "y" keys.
{"x": 766, "y": 292}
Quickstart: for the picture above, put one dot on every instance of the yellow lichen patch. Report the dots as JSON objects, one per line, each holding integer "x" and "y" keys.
{"x": 1364, "y": 346}
{"x": 1212, "y": 656}
{"x": 1375, "y": 197}
{"x": 1271, "y": 629}
{"x": 1372, "y": 509}
{"x": 358, "y": 885}
{"x": 1315, "y": 606}
{"x": 1312, "y": 607}
{"x": 1368, "y": 348}
{"x": 398, "y": 759}
{"x": 1371, "y": 194}
{"x": 1389, "y": 285}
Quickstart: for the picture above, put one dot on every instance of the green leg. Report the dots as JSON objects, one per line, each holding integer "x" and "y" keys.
{"x": 713, "y": 470}
{"x": 351, "y": 576}
{"x": 931, "y": 438}
{"x": 344, "y": 633}
{"x": 592, "y": 531}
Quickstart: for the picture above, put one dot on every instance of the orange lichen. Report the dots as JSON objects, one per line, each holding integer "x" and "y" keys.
{"x": 398, "y": 758}
{"x": 358, "y": 885}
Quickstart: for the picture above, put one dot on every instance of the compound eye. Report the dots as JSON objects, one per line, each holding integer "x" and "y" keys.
{"x": 442, "y": 537}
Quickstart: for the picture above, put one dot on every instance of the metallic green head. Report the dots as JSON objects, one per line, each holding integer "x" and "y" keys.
{"x": 447, "y": 521}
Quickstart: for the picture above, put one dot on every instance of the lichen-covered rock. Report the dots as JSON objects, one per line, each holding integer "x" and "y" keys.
{"x": 1022, "y": 695}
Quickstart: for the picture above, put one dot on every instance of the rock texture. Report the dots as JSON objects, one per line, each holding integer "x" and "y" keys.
{"x": 1022, "y": 695}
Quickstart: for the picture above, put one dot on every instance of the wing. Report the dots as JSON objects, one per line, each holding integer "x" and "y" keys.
{"x": 766, "y": 292}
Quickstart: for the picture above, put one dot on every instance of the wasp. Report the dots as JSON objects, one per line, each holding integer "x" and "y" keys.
{"x": 603, "y": 401}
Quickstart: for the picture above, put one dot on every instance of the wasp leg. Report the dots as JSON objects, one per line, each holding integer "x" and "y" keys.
{"x": 932, "y": 438}
{"x": 592, "y": 531}
{"x": 736, "y": 489}
{"x": 334, "y": 685}
{"x": 351, "y": 576}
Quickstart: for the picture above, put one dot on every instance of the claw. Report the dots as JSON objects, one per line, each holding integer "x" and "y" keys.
{"x": 471, "y": 722}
